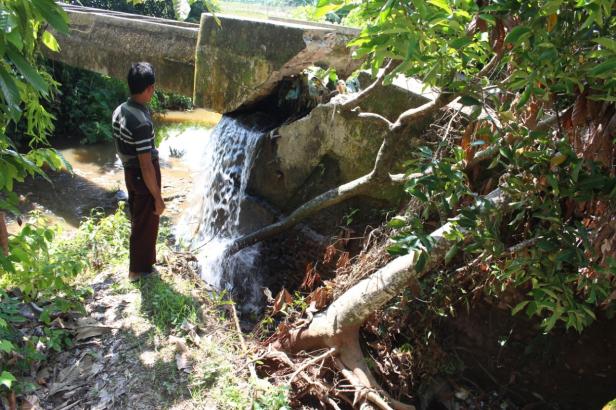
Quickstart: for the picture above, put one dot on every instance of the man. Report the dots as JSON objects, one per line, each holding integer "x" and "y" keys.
{"x": 133, "y": 133}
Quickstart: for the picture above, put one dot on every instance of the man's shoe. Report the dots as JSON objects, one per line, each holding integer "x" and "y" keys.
{"x": 134, "y": 276}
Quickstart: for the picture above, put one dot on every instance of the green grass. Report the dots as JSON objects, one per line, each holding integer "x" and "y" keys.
{"x": 165, "y": 307}
{"x": 256, "y": 11}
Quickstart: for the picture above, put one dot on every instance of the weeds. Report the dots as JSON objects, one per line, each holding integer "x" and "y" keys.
{"x": 165, "y": 307}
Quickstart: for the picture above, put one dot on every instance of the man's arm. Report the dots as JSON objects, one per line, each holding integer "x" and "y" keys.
{"x": 149, "y": 178}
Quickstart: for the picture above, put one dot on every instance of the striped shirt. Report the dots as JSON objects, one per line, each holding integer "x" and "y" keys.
{"x": 133, "y": 132}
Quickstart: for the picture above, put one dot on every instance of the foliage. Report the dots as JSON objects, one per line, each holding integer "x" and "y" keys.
{"x": 188, "y": 10}
{"x": 44, "y": 275}
{"x": 275, "y": 397}
{"x": 157, "y": 8}
{"x": 558, "y": 269}
{"x": 24, "y": 85}
{"x": 37, "y": 270}
{"x": 100, "y": 240}
{"x": 511, "y": 62}
{"x": 553, "y": 46}
{"x": 162, "y": 101}
{"x": 84, "y": 103}
{"x": 166, "y": 308}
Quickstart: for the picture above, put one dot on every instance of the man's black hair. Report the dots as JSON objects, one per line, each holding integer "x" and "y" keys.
{"x": 140, "y": 76}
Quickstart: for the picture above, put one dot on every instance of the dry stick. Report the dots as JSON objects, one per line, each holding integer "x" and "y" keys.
{"x": 333, "y": 403}
{"x": 251, "y": 365}
{"x": 312, "y": 361}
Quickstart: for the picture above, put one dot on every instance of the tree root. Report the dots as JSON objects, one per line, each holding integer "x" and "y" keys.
{"x": 352, "y": 365}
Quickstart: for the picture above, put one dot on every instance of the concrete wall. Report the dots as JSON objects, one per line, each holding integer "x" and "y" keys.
{"x": 108, "y": 42}
{"x": 240, "y": 61}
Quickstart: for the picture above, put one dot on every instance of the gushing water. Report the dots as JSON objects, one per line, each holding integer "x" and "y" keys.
{"x": 212, "y": 222}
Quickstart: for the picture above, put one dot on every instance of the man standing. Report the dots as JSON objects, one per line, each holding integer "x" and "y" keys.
{"x": 133, "y": 133}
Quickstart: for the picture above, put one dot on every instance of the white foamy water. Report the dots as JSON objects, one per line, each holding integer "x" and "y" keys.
{"x": 212, "y": 221}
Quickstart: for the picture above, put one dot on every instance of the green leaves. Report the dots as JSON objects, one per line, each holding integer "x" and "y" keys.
{"x": 7, "y": 379}
{"x": 441, "y": 4}
{"x": 518, "y": 35}
{"x": 10, "y": 93}
{"x": 27, "y": 71}
{"x": 50, "y": 41}
{"x": 606, "y": 69}
{"x": 53, "y": 14}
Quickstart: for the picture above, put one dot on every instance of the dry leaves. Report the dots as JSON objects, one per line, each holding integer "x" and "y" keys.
{"x": 282, "y": 299}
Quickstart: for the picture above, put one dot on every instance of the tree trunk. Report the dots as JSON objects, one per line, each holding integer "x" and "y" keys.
{"x": 371, "y": 184}
{"x": 4, "y": 236}
{"x": 337, "y": 327}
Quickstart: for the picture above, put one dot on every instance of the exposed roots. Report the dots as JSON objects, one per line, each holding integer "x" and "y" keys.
{"x": 348, "y": 359}
{"x": 352, "y": 365}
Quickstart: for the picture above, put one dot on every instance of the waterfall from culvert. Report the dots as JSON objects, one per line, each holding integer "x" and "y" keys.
{"x": 212, "y": 222}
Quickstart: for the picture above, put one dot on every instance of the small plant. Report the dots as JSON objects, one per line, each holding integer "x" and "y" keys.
{"x": 166, "y": 307}
{"x": 39, "y": 270}
{"x": 274, "y": 398}
{"x": 100, "y": 240}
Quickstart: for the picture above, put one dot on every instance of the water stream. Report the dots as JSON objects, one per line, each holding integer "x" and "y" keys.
{"x": 212, "y": 163}
{"x": 213, "y": 220}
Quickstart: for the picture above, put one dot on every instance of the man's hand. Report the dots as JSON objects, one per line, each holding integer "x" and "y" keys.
{"x": 149, "y": 178}
{"x": 159, "y": 206}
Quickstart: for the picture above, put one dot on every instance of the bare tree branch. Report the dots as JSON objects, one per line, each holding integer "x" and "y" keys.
{"x": 377, "y": 118}
{"x": 416, "y": 114}
{"x": 325, "y": 200}
{"x": 365, "y": 93}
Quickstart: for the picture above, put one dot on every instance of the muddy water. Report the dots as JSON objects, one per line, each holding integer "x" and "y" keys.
{"x": 98, "y": 180}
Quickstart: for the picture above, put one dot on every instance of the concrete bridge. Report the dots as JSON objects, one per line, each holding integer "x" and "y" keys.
{"x": 224, "y": 62}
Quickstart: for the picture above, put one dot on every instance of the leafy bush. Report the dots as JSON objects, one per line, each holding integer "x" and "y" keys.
{"x": 85, "y": 102}
{"x": 100, "y": 240}
{"x": 557, "y": 267}
{"x": 38, "y": 270}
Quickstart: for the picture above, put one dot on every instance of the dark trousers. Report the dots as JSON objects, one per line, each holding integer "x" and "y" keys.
{"x": 144, "y": 224}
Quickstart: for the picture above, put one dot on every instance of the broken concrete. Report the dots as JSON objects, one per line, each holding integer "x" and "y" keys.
{"x": 327, "y": 147}
{"x": 240, "y": 61}
{"x": 225, "y": 63}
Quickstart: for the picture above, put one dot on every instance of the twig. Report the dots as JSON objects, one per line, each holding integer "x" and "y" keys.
{"x": 361, "y": 96}
{"x": 251, "y": 366}
{"x": 377, "y": 118}
{"x": 312, "y": 361}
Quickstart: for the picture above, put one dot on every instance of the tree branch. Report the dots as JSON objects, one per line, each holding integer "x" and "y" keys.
{"x": 365, "y": 93}
{"x": 332, "y": 197}
{"x": 355, "y": 305}
{"x": 377, "y": 118}
{"x": 416, "y": 114}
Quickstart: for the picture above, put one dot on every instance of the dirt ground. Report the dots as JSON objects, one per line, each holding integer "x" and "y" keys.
{"x": 128, "y": 352}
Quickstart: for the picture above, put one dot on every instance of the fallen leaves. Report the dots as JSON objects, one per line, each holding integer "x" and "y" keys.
{"x": 283, "y": 299}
